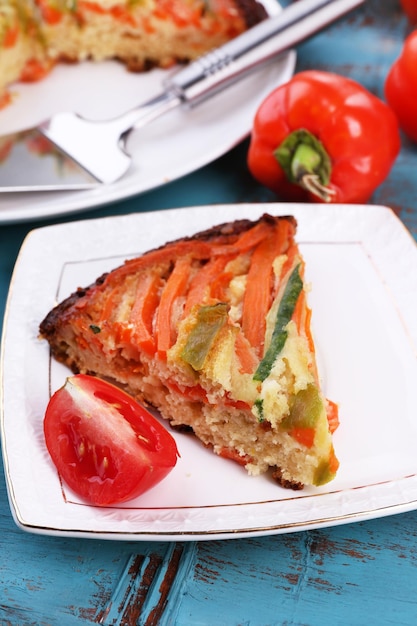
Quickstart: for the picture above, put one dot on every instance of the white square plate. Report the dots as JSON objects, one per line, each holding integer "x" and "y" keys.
{"x": 362, "y": 266}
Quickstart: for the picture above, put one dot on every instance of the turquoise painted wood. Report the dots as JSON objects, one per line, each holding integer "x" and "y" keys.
{"x": 356, "y": 574}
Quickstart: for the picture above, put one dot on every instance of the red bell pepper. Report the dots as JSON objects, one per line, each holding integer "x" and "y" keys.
{"x": 322, "y": 137}
{"x": 410, "y": 9}
{"x": 401, "y": 86}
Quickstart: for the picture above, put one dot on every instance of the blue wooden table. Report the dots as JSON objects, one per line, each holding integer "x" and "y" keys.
{"x": 360, "y": 573}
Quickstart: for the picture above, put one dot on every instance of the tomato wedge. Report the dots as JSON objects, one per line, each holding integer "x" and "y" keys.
{"x": 105, "y": 445}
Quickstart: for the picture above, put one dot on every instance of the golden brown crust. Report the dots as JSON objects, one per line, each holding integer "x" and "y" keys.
{"x": 226, "y": 233}
{"x": 233, "y": 229}
{"x": 286, "y": 484}
{"x": 252, "y": 12}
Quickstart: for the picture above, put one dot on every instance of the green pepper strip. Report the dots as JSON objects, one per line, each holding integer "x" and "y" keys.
{"x": 305, "y": 409}
{"x": 259, "y": 405}
{"x": 210, "y": 320}
{"x": 279, "y": 336}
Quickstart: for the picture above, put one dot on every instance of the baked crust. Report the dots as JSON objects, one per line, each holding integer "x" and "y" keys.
{"x": 226, "y": 232}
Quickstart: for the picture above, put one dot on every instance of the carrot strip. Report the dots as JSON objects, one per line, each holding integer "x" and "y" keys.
{"x": 305, "y": 436}
{"x": 299, "y": 311}
{"x": 91, "y": 6}
{"x": 122, "y": 333}
{"x": 302, "y": 319}
{"x": 252, "y": 237}
{"x": 5, "y": 100}
{"x": 257, "y": 298}
{"x": 110, "y": 305}
{"x": 291, "y": 253}
{"x": 307, "y": 327}
{"x": 237, "y": 404}
{"x": 35, "y": 70}
{"x": 143, "y": 311}
{"x": 332, "y": 415}
{"x": 246, "y": 357}
{"x": 247, "y": 240}
{"x": 201, "y": 282}
{"x": 182, "y": 15}
{"x": 118, "y": 12}
{"x": 174, "y": 287}
{"x": 201, "y": 250}
{"x": 191, "y": 394}
{"x": 333, "y": 462}
{"x": 219, "y": 286}
{"x": 233, "y": 455}
{"x": 11, "y": 35}
{"x": 198, "y": 250}
{"x": 50, "y": 14}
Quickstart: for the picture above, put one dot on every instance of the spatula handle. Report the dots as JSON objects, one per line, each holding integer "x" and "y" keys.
{"x": 225, "y": 65}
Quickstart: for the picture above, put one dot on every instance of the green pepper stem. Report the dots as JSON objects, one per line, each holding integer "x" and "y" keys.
{"x": 306, "y": 163}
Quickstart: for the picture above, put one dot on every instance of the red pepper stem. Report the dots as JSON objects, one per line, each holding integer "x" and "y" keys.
{"x": 306, "y": 163}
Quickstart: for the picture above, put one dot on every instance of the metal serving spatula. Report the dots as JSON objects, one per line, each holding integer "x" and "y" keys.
{"x": 93, "y": 152}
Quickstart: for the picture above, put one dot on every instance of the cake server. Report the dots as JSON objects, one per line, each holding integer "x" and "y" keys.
{"x": 71, "y": 152}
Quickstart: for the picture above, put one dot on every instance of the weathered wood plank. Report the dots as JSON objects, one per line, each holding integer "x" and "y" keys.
{"x": 358, "y": 574}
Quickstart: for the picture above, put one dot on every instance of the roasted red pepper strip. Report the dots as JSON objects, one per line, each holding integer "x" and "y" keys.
{"x": 401, "y": 86}
{"x": 323, "y": 137}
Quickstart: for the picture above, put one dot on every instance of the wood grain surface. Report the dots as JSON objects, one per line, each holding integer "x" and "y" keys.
{"x": 361, "y": 573}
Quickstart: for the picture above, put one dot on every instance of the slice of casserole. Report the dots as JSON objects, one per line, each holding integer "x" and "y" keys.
{"x": 143, "y": 33}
